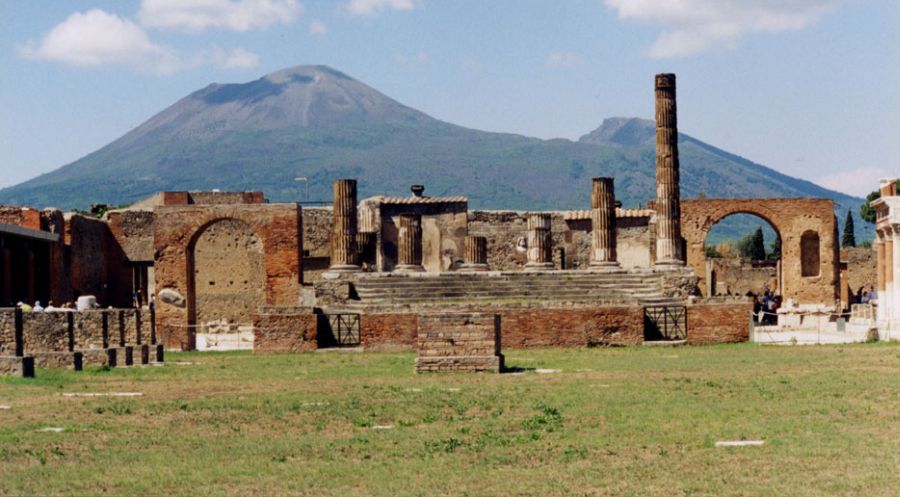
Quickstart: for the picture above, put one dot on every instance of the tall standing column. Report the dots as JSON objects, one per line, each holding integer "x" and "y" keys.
{"x": 668, "y": 195}
{"x": 878, "y": 247}
{"x": 540, "y": 245}
{"x": 895, "y": 291}
{"x": 409, "y": 244}
{"x": 475, "y": 255}
{"x": 886, "y": 301}
{"x": 344, "y": 253}
{"x": 603, "y": 224}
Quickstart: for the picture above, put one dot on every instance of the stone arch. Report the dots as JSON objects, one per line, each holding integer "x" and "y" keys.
{"x": 226, "y": 275}
{"x": 790, "y": 218}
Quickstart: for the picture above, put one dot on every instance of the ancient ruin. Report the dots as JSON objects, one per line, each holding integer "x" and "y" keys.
{"x": 227, "y": 270}
{"x": 887, "y": 249}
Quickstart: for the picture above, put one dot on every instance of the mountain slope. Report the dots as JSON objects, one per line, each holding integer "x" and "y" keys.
{"x": 317, "y": 122}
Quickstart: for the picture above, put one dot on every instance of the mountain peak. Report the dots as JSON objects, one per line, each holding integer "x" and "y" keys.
{"x": 622, "y": 131}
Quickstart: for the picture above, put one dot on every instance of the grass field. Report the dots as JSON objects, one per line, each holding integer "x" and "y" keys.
{"x": 622, "y": 421}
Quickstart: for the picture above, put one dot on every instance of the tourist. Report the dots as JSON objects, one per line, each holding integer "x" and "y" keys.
{"x": 25, "y": 307}
{"x": 865, "y": 297}
{"x": 873, "y": 294}
{"x": 37, "y": 306}
{"x": 137, "y": 299}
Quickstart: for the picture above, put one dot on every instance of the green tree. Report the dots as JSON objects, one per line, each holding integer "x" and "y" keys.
{"x": 867, "y": 213}
{"x": 753, "y": 246}
{"x": 849, "y": 238}
{"x": 775, "y": 248}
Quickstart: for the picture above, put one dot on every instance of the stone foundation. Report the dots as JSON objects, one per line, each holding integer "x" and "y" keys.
{"x": 73, "y": 361}
{"x": 285, "y": 329}
{"x": 459, "y": 342}
{"x": 17, "y": 366}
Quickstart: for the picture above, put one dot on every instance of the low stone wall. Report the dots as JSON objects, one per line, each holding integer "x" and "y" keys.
{"x": 459, "y": 342}
{"x": 22, "y": 367}
{"x": 718, "y": 321}
{"x": 285, "y": 329}
{"x": 523, "y": 327}
{"x": 53, "y": 337}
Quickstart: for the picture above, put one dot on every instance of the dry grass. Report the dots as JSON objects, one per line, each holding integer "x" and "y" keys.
{"x": 627, "y": 421}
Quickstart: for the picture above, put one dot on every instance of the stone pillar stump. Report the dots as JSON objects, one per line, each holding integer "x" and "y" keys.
{"x": 409, "y": 244}
{"x": 475, "y": 255}
{"x": 540, "y": 245}
{"x": 603, "y": 225}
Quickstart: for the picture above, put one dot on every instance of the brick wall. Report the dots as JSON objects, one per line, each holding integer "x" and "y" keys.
{"x": 284, "y": 329}
{"x": 459, "y": 342}
{"x": 524, "y": 328}
{"x": 718, "y": 321}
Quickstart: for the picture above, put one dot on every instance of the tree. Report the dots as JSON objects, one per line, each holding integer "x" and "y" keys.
{"x": 753, "y": 246}
{"x": 865, "y": 211}
{"x": 849, "y": 238}
{"x": 775, "y": 252}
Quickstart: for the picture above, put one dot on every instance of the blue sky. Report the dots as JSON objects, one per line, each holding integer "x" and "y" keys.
{"x": 808, "y": 87}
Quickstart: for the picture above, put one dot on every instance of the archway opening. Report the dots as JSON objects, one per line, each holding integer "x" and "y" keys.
{"x": 227, "y": 284}
{"x": 743, "y": 255}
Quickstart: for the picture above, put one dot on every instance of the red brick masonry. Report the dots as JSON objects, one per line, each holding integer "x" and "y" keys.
{"x": 459, "y": 341}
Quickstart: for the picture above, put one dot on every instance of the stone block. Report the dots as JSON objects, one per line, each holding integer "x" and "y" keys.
{"x": 464, "y": 341}
{"x": 17, "y": 366}
{"x": 125, "y": 356}
{"x": 59, "y": 360}
{"x": 143, "y": 353}
{"x": 99, "y": 357}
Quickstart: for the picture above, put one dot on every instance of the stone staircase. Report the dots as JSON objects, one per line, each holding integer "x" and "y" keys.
{"x": 506, "y": 289}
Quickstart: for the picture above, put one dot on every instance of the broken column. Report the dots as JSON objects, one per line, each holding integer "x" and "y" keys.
{"x": 409, "y": 243}
{"x": 603, "y": 224}
{"x": 475, "y": 255}
{"x": 668, "y": 197}
{"x": 540, "y": 245}
{"x": 344, "y": 253}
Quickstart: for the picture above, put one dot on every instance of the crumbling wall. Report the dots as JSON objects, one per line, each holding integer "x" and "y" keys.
{"x": 317, "y": 224}
{"x": 506, "y": 234}
{"x": 736, "y": 276}
{"x": 861, "y": 267}
{"x": 133, "y": 232}
{"x": 98, "y": 266}
{"x": 718, "y": 321}
{"x": 285, "y": 329}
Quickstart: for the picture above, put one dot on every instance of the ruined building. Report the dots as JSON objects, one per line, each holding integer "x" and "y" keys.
{"x": 230, "y": 270}
{"x": 887, "y": 249}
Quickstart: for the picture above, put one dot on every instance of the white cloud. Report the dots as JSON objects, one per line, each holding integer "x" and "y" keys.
{"x": 237, "y": 58}
{"x": 691, "y": 26}
{"x": 858, "y": 182}
{"x": 318, "y": 27}
{"x": 234, "y": 15}
{"x": 562, "y": 59}
{"x": 370, "y": 7}
{"x": 96, "y": 38}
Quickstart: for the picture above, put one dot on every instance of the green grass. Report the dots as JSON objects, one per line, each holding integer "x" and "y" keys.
{"x": 622, "y": 421}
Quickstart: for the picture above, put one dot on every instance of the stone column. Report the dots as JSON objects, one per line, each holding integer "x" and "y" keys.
{"x": 540, "y": 245}
{"x": 603, "y": 224}
{"x": 344, "y": 254}
{"x": 895, "y": 274}
{"x": 668, "y": 195}
{"x": 409, "y": 244}
{"x": 887, "y": 298}
{"x": 878, "y": 247}
{"x": 476, "y": 255}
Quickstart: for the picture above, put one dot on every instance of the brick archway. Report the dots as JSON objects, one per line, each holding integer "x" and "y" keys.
{"x": 177, "y": 227}
{"x": 791, "y": 218}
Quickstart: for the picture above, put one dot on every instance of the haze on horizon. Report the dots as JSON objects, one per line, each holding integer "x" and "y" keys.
{"x": 807, "y": 88}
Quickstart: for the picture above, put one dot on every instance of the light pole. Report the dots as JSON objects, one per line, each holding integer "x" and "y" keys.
{"x": 305, "y": 180}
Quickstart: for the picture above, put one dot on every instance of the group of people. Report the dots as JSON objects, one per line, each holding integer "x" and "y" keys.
{"x": 866, "y": 296}
{"x": 37, "y": 307}
{"x": 765, "y": 307}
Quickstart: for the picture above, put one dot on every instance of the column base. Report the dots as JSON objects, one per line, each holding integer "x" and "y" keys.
{"x": 344, "y": 268}
{"x": 605, "y": 266}
{"x": 409, "y": 268}
{"x": 668, "y": 264}
{"x": 474, "y": 268}
{"x": 539, "y": 266}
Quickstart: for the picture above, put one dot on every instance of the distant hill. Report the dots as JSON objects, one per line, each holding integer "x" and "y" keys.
{"x": 317, "y": 122}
